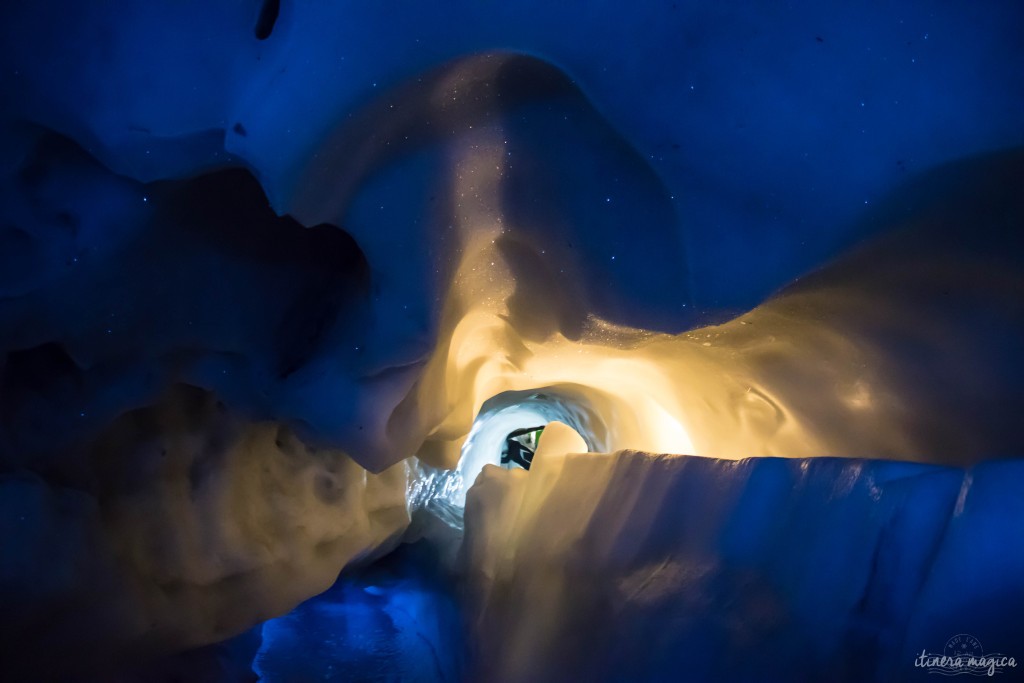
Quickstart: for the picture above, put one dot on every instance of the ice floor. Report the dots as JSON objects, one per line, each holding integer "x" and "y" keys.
{"x": 637, "y": 567}
{"x": 397, "y": 620}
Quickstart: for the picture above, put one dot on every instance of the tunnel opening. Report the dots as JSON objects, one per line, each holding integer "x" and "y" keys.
{"x": 508, "y": 432}
{"x": 509, "y": 428}
{"x": 519, "y": 447}
{"x": 269, "y": 11}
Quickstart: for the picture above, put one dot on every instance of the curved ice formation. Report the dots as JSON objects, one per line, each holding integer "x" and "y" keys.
{"x": 505, "y": 413}
{"x": 191, "y": 524}
{"x": 353, "y": 232}
{"x": 876, "y": 354}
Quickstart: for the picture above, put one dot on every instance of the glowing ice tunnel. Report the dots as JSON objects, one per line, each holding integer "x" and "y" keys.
{"x": 511, "y": 412}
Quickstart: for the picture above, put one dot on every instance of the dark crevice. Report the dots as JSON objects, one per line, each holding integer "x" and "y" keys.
{"x": 43, "y": 373}
{"x": 268, "y": 17}
{"x": 323, "y": 266}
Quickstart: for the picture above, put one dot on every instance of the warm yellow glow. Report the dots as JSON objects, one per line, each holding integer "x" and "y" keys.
{"x": 775, "y": 381}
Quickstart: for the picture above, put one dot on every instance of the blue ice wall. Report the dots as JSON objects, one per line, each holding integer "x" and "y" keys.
{"x": 639, "y": 567}
{"x": 771, "y": 125}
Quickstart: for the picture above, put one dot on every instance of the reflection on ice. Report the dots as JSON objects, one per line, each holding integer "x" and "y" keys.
{"x": 440, "y": 492}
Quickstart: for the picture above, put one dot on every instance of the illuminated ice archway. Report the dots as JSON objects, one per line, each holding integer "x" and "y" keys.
{"x": 511, "y": 411}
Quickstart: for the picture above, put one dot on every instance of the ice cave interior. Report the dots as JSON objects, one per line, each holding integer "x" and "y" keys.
{"x": 511, "y": 342}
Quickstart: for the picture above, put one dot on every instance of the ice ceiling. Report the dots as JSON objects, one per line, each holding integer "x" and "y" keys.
{"x": 255, "y": 256}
